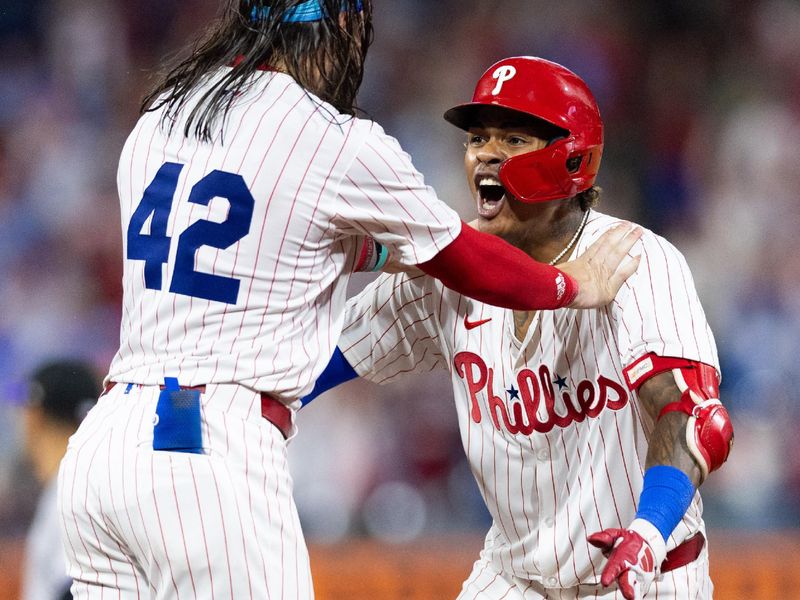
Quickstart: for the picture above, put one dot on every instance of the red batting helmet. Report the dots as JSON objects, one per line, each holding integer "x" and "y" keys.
{"x": 548, "y": 91}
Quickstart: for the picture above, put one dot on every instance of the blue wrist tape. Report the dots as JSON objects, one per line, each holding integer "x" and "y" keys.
{"x": 666, "y": 495}
{"x": 338, "y": 371}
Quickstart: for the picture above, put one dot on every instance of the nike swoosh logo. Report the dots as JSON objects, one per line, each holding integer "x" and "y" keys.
{"x": 473, "y": 324}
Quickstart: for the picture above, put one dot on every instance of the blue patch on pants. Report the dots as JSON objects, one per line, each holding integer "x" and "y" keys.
{"x": 177, "y": 427}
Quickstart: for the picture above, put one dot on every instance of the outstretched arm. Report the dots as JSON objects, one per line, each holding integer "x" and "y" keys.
{"x": 486, "y": 268}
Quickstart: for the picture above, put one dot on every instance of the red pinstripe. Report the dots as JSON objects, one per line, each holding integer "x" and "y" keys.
{"x": 653, "y": 295}
{"x": 256, "y": 129}
{"x": 508, "y": 446}
{"x": 580, "y": 512}
{"x": 382, "y": 282}
{"x": 580, "y": 459}
{"x": 144, "y": 185}
{"x": 202, "y": 528}
{"x": 686, "y": 288}
{"x": 386, "y": 191}
{"x": 291, "y": 210}
{"x": 620, "y": 377}
{"x": 266, "y": 212}
{"x": 422, "y": 201}
{"x": 409, "y": 353}
{"x": 263, "y": 464}
{"x": 161, "y": 527}
{"x": 157, "y": 327}
{"x": 128, "y": 281}
{"x": 140, "y": 503}
{"x": 605, "y": 453}
{"x": 671, "y": 298}
{"x": 508, "y": 493}
{"x": 488, "y": 585}
{"x": 265, "y": 114}
{"x": 94, "y": 529}
{"x": 125, "y": 502}
{"x": 507, "y": 322}
{"x": 555, "y": 522}
{"x": 77, "y": 460}
{"x": 224, "y": 531}
{"x": 180, "y": 526}
{"x": 110, "y": 532}
{"x": 377, "y": 340}
{"x": 282, "y": 518}
{"x": 413, "y": 367}
{"x": 507, "y": 593}
{"x": 238, "y": 510}
{"x": 172, "y": 233}
{"x": 250, "y": 504}
{"x": 308, "y": 230}
{"x": 615, "y": 415}
{"x": 186, "y": 337}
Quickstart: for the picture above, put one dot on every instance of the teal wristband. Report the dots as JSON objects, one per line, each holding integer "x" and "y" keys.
{"x": 383, "y": 256}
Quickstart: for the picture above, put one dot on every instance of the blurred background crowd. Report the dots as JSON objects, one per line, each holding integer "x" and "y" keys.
{"x": 702, "y": 106}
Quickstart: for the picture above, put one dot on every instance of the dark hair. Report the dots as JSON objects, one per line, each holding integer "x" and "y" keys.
{"x": 64, "y": 390}
{"x": 589, "y": 198}
{"x": 326, "y": 57}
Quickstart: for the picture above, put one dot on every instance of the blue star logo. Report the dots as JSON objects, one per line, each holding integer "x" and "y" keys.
{"x": 513, "y": 393}
{"x": 561, "y": 382}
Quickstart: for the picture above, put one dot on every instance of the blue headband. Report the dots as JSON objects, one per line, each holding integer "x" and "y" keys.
{"x": 305, "y": 12}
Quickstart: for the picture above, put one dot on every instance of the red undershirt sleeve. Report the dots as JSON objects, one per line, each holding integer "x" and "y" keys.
{"x": 486, "y": 268}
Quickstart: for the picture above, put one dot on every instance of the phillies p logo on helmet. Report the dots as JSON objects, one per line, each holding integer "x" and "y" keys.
{"x": 503, "y": 74}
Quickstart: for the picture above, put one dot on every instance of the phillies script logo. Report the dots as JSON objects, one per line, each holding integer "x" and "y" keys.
{"x": 535, "y": 389}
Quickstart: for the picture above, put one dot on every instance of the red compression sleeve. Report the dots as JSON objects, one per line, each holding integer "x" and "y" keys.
{"x": 486, "y": 268}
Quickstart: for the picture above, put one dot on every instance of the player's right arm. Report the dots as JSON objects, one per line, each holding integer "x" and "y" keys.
{"x": 383, "y": 196}
{"x": 390, "y": 330}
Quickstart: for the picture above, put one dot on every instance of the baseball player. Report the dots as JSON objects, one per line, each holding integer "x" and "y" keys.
{"x": 248, "y": 193}
{"x": 588, "y": 431}
{"x": 60, "y": 393}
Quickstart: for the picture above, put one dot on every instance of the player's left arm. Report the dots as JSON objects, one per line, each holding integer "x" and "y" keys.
{"x": 692, "y": 435}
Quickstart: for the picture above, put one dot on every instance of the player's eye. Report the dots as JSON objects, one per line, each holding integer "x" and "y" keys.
{"x": 517, "y": 140}
{"x": 475, "y": 140}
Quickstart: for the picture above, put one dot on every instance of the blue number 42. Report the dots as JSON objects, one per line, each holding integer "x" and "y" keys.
{"x": 153, "y": 248}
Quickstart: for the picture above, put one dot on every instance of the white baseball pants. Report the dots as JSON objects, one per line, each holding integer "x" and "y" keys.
{"x": 137, "y": 523}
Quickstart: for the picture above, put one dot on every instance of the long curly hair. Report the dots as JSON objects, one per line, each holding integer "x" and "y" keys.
{"x": 326, "y": 57}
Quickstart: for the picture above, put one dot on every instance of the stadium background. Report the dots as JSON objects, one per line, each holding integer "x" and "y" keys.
{"x": 702, "y": 106}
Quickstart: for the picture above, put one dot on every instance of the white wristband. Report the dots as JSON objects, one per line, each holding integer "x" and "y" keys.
{"x": 652, "y": 536}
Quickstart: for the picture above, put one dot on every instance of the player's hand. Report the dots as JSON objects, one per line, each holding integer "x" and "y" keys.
{"x": 633, "y": 562}
{"x": 600, "y": 271}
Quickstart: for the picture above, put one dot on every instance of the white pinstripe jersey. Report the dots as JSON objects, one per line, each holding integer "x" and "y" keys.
{"x": 237, "y": 252}
{"x": 555, "y": 440}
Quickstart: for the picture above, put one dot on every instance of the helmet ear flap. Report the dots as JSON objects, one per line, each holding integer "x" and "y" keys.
{"x": 557, "y": 171}
{"x": 541, "y": 175}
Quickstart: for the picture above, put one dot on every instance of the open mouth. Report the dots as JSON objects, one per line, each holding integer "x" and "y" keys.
{"x": 491, "y": 195}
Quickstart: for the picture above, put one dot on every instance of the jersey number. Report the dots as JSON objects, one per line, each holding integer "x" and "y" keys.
{"x": 153, "y": 248}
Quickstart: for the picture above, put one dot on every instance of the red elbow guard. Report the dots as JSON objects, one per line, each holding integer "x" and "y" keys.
{"x": 709, "y": 431}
